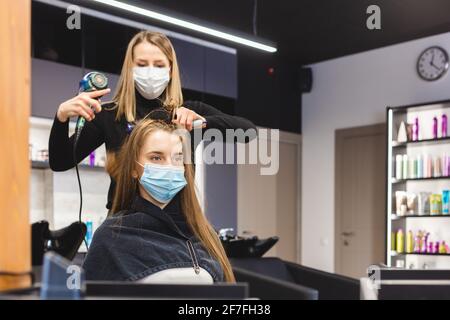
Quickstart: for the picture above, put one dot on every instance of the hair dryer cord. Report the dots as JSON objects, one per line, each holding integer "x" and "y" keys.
{"x": 78, "y": 130}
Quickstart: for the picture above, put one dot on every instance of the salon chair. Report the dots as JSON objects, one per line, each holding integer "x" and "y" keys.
{"x": 64, "y": 241}
{"x": 273, "y": 278}
{"x": 245, "y": 247}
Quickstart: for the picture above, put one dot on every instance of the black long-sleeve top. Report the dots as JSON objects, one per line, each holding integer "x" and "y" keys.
{"x": 105, "y": 129}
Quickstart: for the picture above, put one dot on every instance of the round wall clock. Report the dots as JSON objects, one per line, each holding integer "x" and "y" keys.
{"x": 432, "y": 63}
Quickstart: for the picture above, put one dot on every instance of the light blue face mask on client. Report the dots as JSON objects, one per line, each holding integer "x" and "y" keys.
{"x": 162, "y": 182}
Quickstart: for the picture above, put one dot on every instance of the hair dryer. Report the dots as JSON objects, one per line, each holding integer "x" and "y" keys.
{"x": 91, "y": 82}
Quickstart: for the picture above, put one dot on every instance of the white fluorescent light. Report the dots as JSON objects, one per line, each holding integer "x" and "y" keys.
{"x": 188, "y": 25}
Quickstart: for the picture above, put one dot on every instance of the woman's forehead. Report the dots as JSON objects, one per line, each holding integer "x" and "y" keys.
{"x": 146, "y": 49}
{"x": 163, "y": 141}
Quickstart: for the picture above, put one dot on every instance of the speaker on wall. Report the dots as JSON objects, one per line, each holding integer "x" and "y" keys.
{"x": 305, "y": 80}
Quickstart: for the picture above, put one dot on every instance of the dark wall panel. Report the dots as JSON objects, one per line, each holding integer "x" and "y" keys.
{"x": 191, "y": 60}
{"x": 258, "y": 91}
{"x": 220, "y": 73}
{"x": 269, "y": 92}
{"x": 105, "y": 44}
{"x": 51, "y": 39}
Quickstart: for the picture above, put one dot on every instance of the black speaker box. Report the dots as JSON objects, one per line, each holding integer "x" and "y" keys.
{"x": 305, "y": 80}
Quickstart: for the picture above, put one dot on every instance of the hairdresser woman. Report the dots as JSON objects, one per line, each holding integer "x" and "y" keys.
{"x": 149, "y": 81}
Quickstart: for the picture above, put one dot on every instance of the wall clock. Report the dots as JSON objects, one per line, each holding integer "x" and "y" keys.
{"x": 432, "y": 63}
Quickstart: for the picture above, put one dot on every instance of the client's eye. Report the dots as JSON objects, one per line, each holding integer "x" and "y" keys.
{"x": 178, "y": 159}
{"x": 155, "y": 158}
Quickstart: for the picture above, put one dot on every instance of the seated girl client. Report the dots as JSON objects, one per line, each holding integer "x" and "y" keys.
{"x": 156, "y": 231}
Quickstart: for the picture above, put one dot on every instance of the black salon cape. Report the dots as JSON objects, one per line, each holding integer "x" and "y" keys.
{"x": 143, "y": 240}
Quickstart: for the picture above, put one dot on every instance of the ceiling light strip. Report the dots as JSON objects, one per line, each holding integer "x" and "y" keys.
{"x": 188, "y": 25}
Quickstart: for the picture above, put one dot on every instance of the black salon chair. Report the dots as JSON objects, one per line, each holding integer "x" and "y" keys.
{"x": 245, "y": 247}
{"x": 64, "y": 241}
{"x": 273, "y": 278}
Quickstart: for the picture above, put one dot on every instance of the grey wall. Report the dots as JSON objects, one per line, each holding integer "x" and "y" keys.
{"x": 220, "y": 185}
{"x": 53, "y": 83}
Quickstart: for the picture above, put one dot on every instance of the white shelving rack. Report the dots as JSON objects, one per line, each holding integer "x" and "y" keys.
{"x": 437, "y": 225}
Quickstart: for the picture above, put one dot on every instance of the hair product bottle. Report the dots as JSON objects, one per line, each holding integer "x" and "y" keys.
{"x": 400, "y": 241}
{"x": 437, "y": 172}
{"x": 405, "y": 166}
{"x": 411, "y": 168}
{"x": 398, "y": 167}
{"x": 435, "y": 128}
{"x": 415, "y": 130}
{"x": 419, "y": 166}
{"x": 409, "y": 242}
{"x": 444, "y": 126}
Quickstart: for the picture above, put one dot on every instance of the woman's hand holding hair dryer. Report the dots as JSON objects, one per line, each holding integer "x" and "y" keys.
{"x": 86, "y": 104}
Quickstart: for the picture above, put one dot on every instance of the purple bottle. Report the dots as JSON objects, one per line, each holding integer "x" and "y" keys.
{"x": 92, "y": 159}
{"x": 430, "y": 247}
{"x": 444, "y": 126}
{"x": 448, "y": 166}
{"x": 425, "y": 243}
{"x": 415, "y": 130}
{"x": 436, "y": 247}
{"x": 435, "y": 128}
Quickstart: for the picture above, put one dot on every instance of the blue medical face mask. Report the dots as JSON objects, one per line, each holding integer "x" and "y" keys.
{"x": 162, "y": 182}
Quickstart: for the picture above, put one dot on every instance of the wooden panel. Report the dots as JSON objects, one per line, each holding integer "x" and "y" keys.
{"x": 287, "y": 204}
{"x": 257, "y": 203}
{"x": 268, "y": 205}
{"x": 360, "y": 199}
{"x": 15, "y": 57}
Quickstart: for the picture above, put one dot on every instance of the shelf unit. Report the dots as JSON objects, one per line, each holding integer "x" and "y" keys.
{"x": 397, "y": 217}
{"x": 420, "y": 142}
{"x": 395, "y": 253}
{"x": 394, "y": 181}
{"x": 42, "y": 165}
{"x": 426, "y": 144}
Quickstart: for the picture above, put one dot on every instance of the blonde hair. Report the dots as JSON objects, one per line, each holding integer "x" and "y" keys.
{"x": 125, "y": 99}
{"x": 127, "y": 187}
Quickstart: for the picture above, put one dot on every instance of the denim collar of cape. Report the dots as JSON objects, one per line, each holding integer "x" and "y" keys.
{"x": 170, "y": 211}
{"x": 143, "y": 205}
